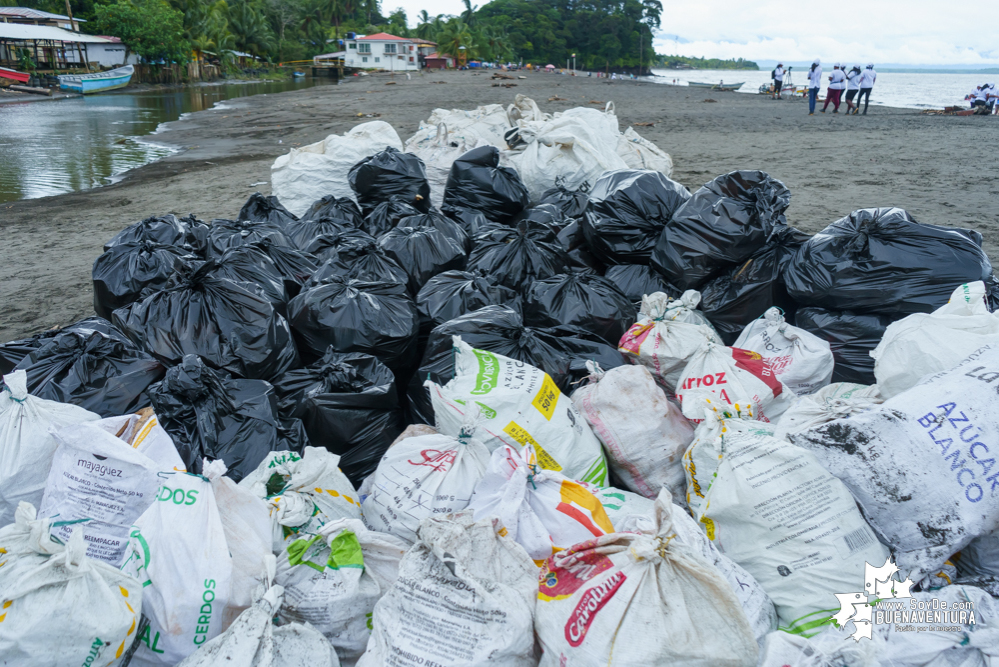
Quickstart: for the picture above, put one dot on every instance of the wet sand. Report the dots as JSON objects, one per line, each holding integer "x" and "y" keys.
{"x": 933, "y": 166}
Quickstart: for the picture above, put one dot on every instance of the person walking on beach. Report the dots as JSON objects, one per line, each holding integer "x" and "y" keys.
{"x": 837, "y": 82}
{"x": 814, "y": 83}
{"x": 852, "y": 87}
{"x": 867, "y": 79}
{"x": 778, "y": 76}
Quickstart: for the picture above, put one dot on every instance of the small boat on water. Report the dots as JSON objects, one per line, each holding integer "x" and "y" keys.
{"x": 14, "y": 75}
{"x": 717, "y": 86}
{"x": 298, "y": 75}
{"x": 97, "y": 83}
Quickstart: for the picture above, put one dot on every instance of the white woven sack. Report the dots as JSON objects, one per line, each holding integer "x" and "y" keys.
{"x": 143, "y": 433}
{"x": 800, "y": 359}
{"x": 834, "y": 401}
{"x": 640, "y": 153}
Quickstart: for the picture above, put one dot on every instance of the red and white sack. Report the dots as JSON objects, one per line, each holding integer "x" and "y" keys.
{"x": 542, "y": 510}
{"x": 667, "y": 334}
{"x": 800, "y": 359}
{"x": 422, "y": 477}
{"x": 729, "y": 375}
{"x": 835, "y": 401}
{"x": 643, "y": 434}
{"x": 465, "y": 597}
{"x": 641, "y": 598}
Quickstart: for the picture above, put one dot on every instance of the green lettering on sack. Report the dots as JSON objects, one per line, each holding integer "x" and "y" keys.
{"x": 597, "y": 473}
{"x": 144, "y": 638}
{"x": 488, "y": 374}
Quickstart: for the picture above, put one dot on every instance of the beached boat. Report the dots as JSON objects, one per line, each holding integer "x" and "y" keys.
{"x": 716, "y": 86}
{"x": 97, "y": 83}
{"x": 298, "y": 75}
{"x": 14, "y": 75}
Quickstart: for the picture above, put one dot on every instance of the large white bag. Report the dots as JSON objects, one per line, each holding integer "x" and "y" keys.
{"x": 311, "y": 172}
{"x": 99, "y": 480}
{"x": 640, "y": 598}
{"x": 774, "y": 510}
{"x": 333, "y": 580}
{"x": 483, "y": 125}
{"x": 643, "y": 434}
{"x": 59, "y": 607}
{"x": 667, "y": 334}
{"x": 465, "y": 597}
{"x": 927, "y": 343}
{"x": 178, "y": 551}
{"x": 519, "y": 405}
{"x": 640, "y": 153}
{"x": 524, "y": 108}
{"x": 26, "y": 445}
{"x": 422, "y": 477}
{"x": 542, "y": 510}
{"x": 834, "y": 401}
{"x": 439, "y": 150}
{"x": 800, "y": 359}
{"x": 830, "y": 647}
{"x": 142, "y": 432}
{"x": 920, "y": 465}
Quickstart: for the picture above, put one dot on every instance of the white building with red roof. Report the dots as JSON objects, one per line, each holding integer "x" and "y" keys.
{"x": 382, "y": 51}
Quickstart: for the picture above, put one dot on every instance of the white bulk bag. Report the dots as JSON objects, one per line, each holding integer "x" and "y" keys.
{"x": 465, "y": 597}
{"x": 332, "y": 581}
{"x": 774, "y": 510}
{"x": 178, "y": 551}
{"x": 800, "y": 359}
{"x": 422, "y": 477}
{"x": 60, "y": 608}
{"x": 311, "y": 172}
{"x": 921, "y": 464}
{"x": 830, "y": 647}
{"x": 142, "y": 432}
{"x": 667, "y": 334}
{"x": 483, "y": 125}
{"x": 834, "y": 401}
{"x": 26, "y": 445}
{"x": 524, "y": 108}
{"x": 518, "y": 405}
{"x": 640, "y": 598}
{"x": 542, "y": 510}
{"x": 640, "y": 153}
{"x": 643, "y": 434}
{"x": 927, "y": 343}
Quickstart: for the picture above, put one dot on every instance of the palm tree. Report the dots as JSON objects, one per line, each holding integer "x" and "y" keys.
{"x": 453, "y": 36}
{"x": 251, "y": 32}
{"x": 468, "y": 16}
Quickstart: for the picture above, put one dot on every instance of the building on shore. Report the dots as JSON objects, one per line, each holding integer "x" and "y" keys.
{"x": 29, "y": 16}
{"x": 55, "y": 48}
{"x": 438, "y": 61}
{"x": 381, "y": 51}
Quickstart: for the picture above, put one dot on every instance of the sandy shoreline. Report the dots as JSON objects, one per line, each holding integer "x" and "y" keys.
{"x": 832, "y": 164}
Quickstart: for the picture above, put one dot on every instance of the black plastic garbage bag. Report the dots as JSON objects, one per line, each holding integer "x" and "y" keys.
{"x": 348, "y": 404}
{"x": 637, "y": 280}
{"x": 572, "y": 203}
{"x": 517, "y": 258}
{"x": 547, "y": 214}
{"x": 880, "y": 260}
{"x": 473, "y": 222}
{"x": 225, "y": 234}
{"x": 627, "y": 212}
{"x": 249, "y": 265}
{"x": 259, "y": 208}
{"x": 338, "y": 208}
{"x": 441, "y": 223}
{"x": 295, "y": 266}
{"x": 573, "y": 242}
{"x": 387, "y": 215}
{"x": 584, "y": 300}
{"x": 355, "y": 316}
{"x": 209, "y": 414}
{"x": 96, "y": 372}
{"x": 477, "y": 182}
{"x": 12, "y": 352}
{"x": 366, "y": 262}
{"x": 452, "y": 293}
{"x": 851, "y": 337}
{"x": 304, "y": 232}
{"x": 188, "y": 233}
{"x": 228, "y": 326}
{"x": 125, "y": 270}
{"x": 721, "y": 225}
{"x": 422, "y": 252}
{"x": 740, "y": 295}
{"x": 326, "y": 246}
{"x": 377, "y": 178}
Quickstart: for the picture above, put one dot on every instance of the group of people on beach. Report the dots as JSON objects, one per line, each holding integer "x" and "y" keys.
{"x": 984, "y": 96}
{"x": 857, "y": 83}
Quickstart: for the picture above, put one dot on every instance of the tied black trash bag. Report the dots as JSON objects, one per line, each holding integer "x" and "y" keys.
{"x": 517, "y": 257}
{"x": 304, "y": 232}
{"x": 441, "y": 223}
{"x": 366, "y": 262}
{"x": 572, "y": 203}
{"x": 387, "y": 215}
{"x": 337, "y": 208}
{"x": 126, "y": 269}
{"x": 348, "y": 404}
{"x": 97, "y": 372}
{"x": 210, "y": 414}
{"x": 851, "y": 338}
{"x": 259, "y": 208}
{"x": 12, "y": 352}
{"x": 721, "y": 225}
{"x": 477, "y": 182}
{"x": 637, "y": 280}
{"x": 473, "y": 222}
{"x": 422, "y": 252}
{"x": 584, "y": 300}
{"x": 188, "y": 233}
{"x": 354, "y": 316}
{"x": 880, "y": 260}
{"x": 377, "y": 178}
{"x": 227, "y": 325}
{"x": 627, "y": 212}
{"x": 225, "y": 234}
{"x": 326, "y": 246}
{"x": 295, "y": 266}
{"x": 740, "y": 295}
{"x": 255, "y": 271}
{"x": 452, "y": 293}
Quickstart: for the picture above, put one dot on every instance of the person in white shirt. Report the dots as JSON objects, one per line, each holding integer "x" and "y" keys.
{"x": 867, "y": 79}
{"x": 778, "y": 76}
{"x": 982, "y": 97}
{"x": 814, "y": 83}
{"x": 972, "y": 96}
{"x": 852, "y": 87}
{"x": 837, "y": 82}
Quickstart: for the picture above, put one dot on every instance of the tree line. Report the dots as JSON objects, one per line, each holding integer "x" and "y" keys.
{"x": 704, "y": 63}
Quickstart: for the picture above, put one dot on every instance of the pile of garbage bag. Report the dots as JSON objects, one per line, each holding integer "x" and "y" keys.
{"x": 398, "y": 415}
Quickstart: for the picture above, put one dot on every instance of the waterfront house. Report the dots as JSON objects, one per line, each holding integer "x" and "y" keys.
{"x": 381, "y": 51}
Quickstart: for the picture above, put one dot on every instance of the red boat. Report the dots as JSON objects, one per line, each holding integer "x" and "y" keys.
{"x": 15, "y": 75}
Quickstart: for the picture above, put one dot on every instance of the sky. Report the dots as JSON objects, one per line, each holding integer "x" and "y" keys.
{"x": 906, "y": 32}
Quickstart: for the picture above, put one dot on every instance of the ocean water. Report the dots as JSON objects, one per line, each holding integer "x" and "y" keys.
{"x": 913, "y": 91}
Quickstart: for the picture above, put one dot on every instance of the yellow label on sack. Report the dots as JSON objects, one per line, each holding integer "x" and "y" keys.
{"x": 547, "y": 398}
{"x": 520, "y": 434}
{"x": 709, "y": 527}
